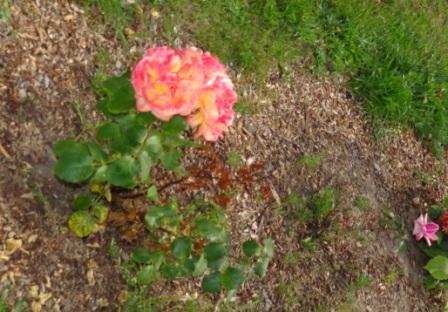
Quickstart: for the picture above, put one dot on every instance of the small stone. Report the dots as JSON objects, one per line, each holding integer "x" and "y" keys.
{"x": 416, "y": 201}
{"x": 32, "y": 238}
{"x": 22, "y": 95}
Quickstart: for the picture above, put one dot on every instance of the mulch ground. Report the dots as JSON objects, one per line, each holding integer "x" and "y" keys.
{"x": 48, "y": 57}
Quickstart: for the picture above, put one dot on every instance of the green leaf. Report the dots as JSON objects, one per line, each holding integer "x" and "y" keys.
{"x": 181, "y": 247}
{"x": 200, "y": 266}
{"x": 214, "y": 251}
{"x": 81, "y": 223}
{"x": 133, "y": 132}
{"x": 169, "y": 271}
{"x": 156, "y": 215}
{"x": 82, "y": 201}
{"x": 152, "y": 194}
{"x": 173, "y": 141}
{"x": 141, "y": 255}
{"x": 145, "y": 119}
{"x": 438, "y": 267}
{"x": 110, "y": 85}
{"x": 209, "y": 230}
{"x": 100, "y": 174}
{"x": 108, "y": 131}
{"x": 433, "y": 251}
{"x": 430, "y": 282}
{"x": 145, "y": 165}
{"x": 261, "y": 267}
{"x": 154, "y": 145}
{"x": 170, "y": 160}
{"x": 251, "y": 248}
{"x": 74, "y": 167}
{"x": 175, "y": 125}
{"x": 65, "y": 146}
{"x": 157, "y": 258}
{"x": 122, "y": 172}
{"x": 268, "y": 247}
{"x": 96, "y": 152}
{"x": 212, "y": 283}
{"x": 122, "y": 99}
{"x": 146, "y": 275}
{"x": 101, "y": 212}
{"x": 232, "y": 278}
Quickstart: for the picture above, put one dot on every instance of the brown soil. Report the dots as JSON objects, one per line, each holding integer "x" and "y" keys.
{"x": 47, "y": 59}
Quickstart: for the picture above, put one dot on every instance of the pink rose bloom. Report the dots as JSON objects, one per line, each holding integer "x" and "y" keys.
{"x": 187, "y": 82}
{"x": 215, "y": 109}
{"x": 167, "y": 81}
{"x": 423, "y": 229}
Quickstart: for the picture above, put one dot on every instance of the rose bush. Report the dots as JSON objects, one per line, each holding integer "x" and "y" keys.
{"x": 180, "y": 87}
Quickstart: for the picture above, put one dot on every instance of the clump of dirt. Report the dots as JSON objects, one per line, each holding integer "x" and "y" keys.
{"x": 348, "y": 261}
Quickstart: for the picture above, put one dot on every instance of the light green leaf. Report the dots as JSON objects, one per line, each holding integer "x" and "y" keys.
{"x": 262, "y": 266}
{"x": 146, "y": 275}
{"x": 100, "y": 174}
{"x": 152, "y": 194}
{"x": 212, "y": 283}
{"x": 145, "y": 165}
{"x": 154, "y": 144}
{"x": 200, "y": 266}
{"x": 268, "y": 247}
{"x": 155, "y": 215}
{"x": 209, "y": 230}
{"x": 122, "y": 172}
{"x": 438, "y": 267}
{"x": 81, "y": 223}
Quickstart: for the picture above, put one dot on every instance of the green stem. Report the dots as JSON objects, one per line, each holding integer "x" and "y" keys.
{"x": 141, "y": 147}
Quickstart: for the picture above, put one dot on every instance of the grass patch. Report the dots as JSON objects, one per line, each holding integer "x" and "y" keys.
{"x": 311, "y": 161}
{"x": 313, "y": 209}
{"x": 393, "y": 51}
{"x": 362, "y": 202}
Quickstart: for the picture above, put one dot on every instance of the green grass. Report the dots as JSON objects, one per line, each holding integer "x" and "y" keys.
{"x": 311, "y": 161}
{"x": 3, "y": 305}
{"x": 394, "y": 51}
{"x": 313, "y": 209}
{"x": 362, "y": 202}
